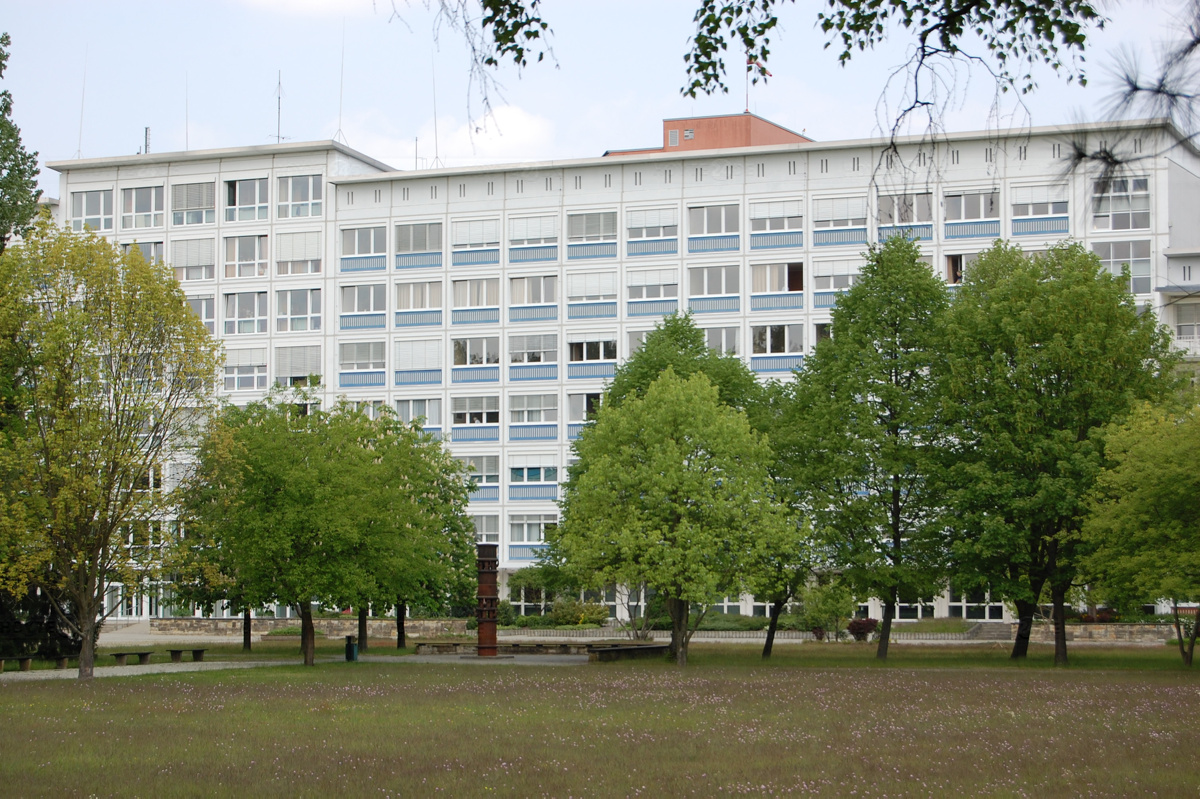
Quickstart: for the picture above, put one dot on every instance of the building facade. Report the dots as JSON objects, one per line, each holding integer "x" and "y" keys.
{"x": 495, "y": 302}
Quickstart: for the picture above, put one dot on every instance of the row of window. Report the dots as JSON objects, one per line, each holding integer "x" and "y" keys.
{"x": 523, "y": 528}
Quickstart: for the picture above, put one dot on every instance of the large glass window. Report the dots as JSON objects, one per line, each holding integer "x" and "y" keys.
{"x": 364, "y": 299}
{"x": 1187, "y": 320}
{"x": 529, "y": 528}
{"x": 364, "y": 241}
{"x": 839, "y": 212}
{"x": 246, "y": 370}
{"x": 299, "y": 196}
{"x": 775, "y": 278}
{"x": 905, "y": 209}
{"x": 777, "y": 215}
{"x": 582, "y": 407}
{"x": 423, "y": 237}
{"x": 964, "y": 205}
{"x": 653, "y": 223}
{"x": 477, "y": 293}
{"x": 487, "y": 528}
{"x": 475, "y": 234}
{"x": 713, "y": 280}
{"x": 206, "y": 309}
{"x": 475, "y": 410}
{"x": 1121, "y": 204}
{"x": 298, "y": 309}
{"x": 532, "y": 230}
{"x": 537, "y": 348}
{"x": 1039, "y": 200}
{"x": 420, "y": 295}
{"x": 652, "y": 284}
{"x": 92, "y": 210}
{"x": 593, "y": 350}
{"x": 476, "y": 351}
{"x": 194, "y": 204}
{"x": 534, "y": 290}
{"x": 298, "y": 253}
{"x": 361, "y": 356}
{"x": 413, "y": 410}
{"x": 142, "y": 207}
{"x": 245, "y": 200}
{"x": 598, "y": 226}
{"x": 246, "y": 312}
{"x": 1115, "y": 255}
{"x": 152, "y": 251}
{"x": 591, "y": 286}
{"x": 523, "y": 408}
{"x": 483, "y": 469}
{"x": 419, "y": 354}
{"x": 193, "y": 259}
{"x": 839, "y": 274}
{"x": 722, "y": 339}
{"x": 246, "y": 256}
{"x": 712, "y": 220}
{"x": 777, "y": 339}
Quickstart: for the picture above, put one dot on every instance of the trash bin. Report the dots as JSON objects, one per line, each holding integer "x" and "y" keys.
{"x": 351, "y": 649}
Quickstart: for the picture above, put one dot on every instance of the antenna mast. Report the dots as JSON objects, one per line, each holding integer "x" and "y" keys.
{"x": 437, "y": 161}
{"x": 279, "y": 109}
{"x": 186, "y": 145}
{"x": 339, "y": 136}
{"x": 82, "y": 97}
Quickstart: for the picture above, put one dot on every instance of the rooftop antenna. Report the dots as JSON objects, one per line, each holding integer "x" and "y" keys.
{"x": 437, "y": 161}
{"x": 146, "y": 149}
{"x": 82, "y": 96}
{"x": 416, "y": 141}
{"x": 279, "y": 109}
{"x": 185, "y": 112}
{"x": 339, "y": 136}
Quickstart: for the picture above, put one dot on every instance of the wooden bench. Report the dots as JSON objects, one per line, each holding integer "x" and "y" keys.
{"x": 143, "y": 657}
{"x": 23, "y": 663}
{"x": 177, "y": 655}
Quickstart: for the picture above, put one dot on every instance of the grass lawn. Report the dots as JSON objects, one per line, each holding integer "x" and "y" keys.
{"x": 818, "y": 718}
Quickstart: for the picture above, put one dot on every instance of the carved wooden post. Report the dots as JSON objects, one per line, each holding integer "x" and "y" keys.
{"x": 489, "y": 599}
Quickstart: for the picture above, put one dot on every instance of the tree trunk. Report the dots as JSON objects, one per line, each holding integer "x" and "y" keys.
{"x": 1025, "y": 611}
{"x": 401, "y": 612}
{"x": 246, "y": 630}
{"x": 678, "y": 608}
{"x": 87, "y": 654}
{"x": 885, "y": 629}
{"x": 776, "y": 611}
{"x": 1183, "y": 653}
{"x": 1187, "y": 660}
{"x": 362, "y": 628}
{"x": 1058, "y": 596}
{"x": 308, "y": 637}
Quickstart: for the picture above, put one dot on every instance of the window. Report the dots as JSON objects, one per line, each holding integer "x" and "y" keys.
{"x": 294, "y": 366}
{"x": 246, "y": 370}
{"x": 835, "y": 274}
{"x": 541, "y": 348}
{"x": 364, "y": 241}
{"x": 1121, "y": 204}
{"x": 767, "y": 278}
{"x": 777, "y": 339}
{"x": 151, "y": 251}
{"x": 1187, "y": 320}
{"x": 636, "y": 338}
{"x": 245, "y": 200}
{"x": 206, "y": 309}
{"x": 476, "y": 351}
{"x": 299, "y": 195}
{"x": 415, "y": 296}
{"x": 142, "y": 207}
{"x": 246, "y": 256}
{"x": 360, "y": 356}
{"x": 477, "y": 293}
{"x": 475, "y": 410}
{"x": 298, "y": 309}
{"x": 905, "y": 209}
{"x": 419, "y": 354}
{"x": 673, "y": 138}
{"x": 722, "y": 339}
{"x": 298, "y": 253}
{"x": 582, "y": 351}
{"x": 600, "y": 226}
{"x": 246, "y": 312}
{"x": 592, "y": 286}
{"x": 713, "y": 280}
{"x": 653, "y": 223}
{"x": 653, "y": 284}
{"x": 779, "y": 215}
{"x": 1039, "y": 200}
{"x": 363, "y": 299}
{"x": 533, "y": 408}
{"x": 532, "y": 469}
{"x": 1116, "y": 254}
{"x": 838, "y": 212}
{"x": 531, "y": 230}
{"x": 482, "y": 469}
{"x": 194, "y": 204}
{"x": 372, "y": 409}
{"x": 475, "y": 234}
{"x": 534, "y": 290}
{"x": 529, "y": 528}
{"x": 425, "y": 237}
{"x": 972, "y": 205}
{"x": 955, "y": 264}
{"x": 414, "y": 410}
{"x": 92, "y": 209}
{"x": 582, "y": 407}
{"x": 712, "y": 220}
{"x": 487, "y": 528}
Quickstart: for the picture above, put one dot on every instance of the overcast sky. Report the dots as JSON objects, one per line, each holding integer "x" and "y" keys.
{"x": 617, "y": 70}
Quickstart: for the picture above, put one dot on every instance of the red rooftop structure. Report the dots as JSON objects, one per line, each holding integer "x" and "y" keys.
{"x": 718, "y": 133}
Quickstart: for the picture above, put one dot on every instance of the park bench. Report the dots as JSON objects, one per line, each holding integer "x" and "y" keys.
{"x": 23, "y": 663}
{"x": 177, "y": 654}
{"x": 143, "y": 657}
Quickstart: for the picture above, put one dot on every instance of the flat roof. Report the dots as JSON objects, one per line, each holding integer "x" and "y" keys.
{"x": 283, "y": 148}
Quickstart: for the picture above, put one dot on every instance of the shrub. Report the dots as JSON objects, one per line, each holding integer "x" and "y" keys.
{"x": 573, "y": 612}
{"x": 506, "y": 614}
{"x": 861, "y": 629}
{"x": 720, "y": 621}
{"x": 289, "y": 631}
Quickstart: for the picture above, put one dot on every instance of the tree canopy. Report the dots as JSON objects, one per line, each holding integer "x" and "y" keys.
{"x": 19, "y": 193}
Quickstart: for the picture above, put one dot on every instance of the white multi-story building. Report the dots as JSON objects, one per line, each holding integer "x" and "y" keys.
{"x": 495, "y": 302}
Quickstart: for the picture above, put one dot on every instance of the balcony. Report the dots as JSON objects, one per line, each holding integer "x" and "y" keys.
{"x": 775, "y": 241}
{"x": 533, "y": 432}
{"x": 910, "y": 232}
{"x": 418, "y": 260}
{"x": 475, "y": 257}
{"x": 362, "y": 321}
{"x": 1046, "y": 226}
{"x": 586, "y": 371}
{"x": 475, "y": 374}
{"x": 792, "y": 300}
{"x": 842, "y": 236}
{"x": 418, "y": 377}
{"x": 591, "y": 250}
{"x": 592, "y": 310}
{"x": 640, "y": 247}
{"x": 702, "y": 244}
{"x": 485, "y": 494}
{"x": 767, "y": 364}
{"x": 474, "y": 432}
{"x": 543, "y": 493}
{"x": 825, "y": 299}
{"x": 418, "y": 318}
{"x": 574, "y": 429}
{"x": 530, "y": 255}
{"x": 533, "y": 371}
{"x": 361, "y": 379}
{"x": 475, "y": 316}
{"x": 363, "y": 263}
{"x": 525, "y": 551}
{"x": 651, "y": 307}
{"x": 715, "y": 304}
{"x": 1189, "y": 346}
{"x": 533, "y": 313}
{"x": 983, "y": 229}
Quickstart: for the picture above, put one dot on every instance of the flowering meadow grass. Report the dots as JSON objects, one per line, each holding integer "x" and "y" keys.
{"x": 819, "y": 719}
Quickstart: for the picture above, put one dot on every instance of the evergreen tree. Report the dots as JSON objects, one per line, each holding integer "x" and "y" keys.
{"x": 19, "y": 193}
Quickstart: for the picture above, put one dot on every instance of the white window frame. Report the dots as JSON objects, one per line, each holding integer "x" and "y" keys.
{"x": 193, "y": 204}
{"x": 487, "y": 527}
{"x": 1114, "y": 255}
{"x": 776, "y": 216}
{"x": 411, "y": 410}
{"x": 407, "y": 238}
{"x": 364, "y": 298}
{"x": 839, "y": 212}
{"x": 529, "y": 528}
{"x": 714, "y": 220}
{"x": 482, "y": 469}
{"x": 1044, "y": 200}
{"x": 905, "y": 209}
{"x": 589, "y": 349}
{"x": 153, "y": 252}
{"x": 419, "y": 354}
{"x": 724, "y": 340}
{"x": 142, "y": 207}
{"x": 419, "y": 295}
{"x": 286, "y": 373}
{"x": 246, "y": 313}
{"x": 475, "y": 234}
{"x": 578, "y": 405}
{"x": 468, "y": 349}
{"x": 1120, "y": 204}
{"x": 362, "y": 356}
{"x": 237, "y": 265}
{"x": 476, "y": 292}
{"x": 652, "y": 223}
{"x": 246, "y": 200}
{"x": 590, "y": 226}
{"x": 835, "y": 274}
{"x": 781, "y": 339}
{"x": 714, "y": 281}
{"x": 777, "y": 278}
{"x": 529, "y": 231}
{"x": 205, "y": 307}
{"x": 84, "y": 215}
{"x": 652, "y": 284}
{"x": 299, "y": 196}
{"x": 298, "y": 253}
{"x": 364, "y": 241}
{"x": 966, "y": 206}
{"x": 193, "y": 259}
{"x": 533, "y": 348}
{"x": 534, "y": 290}
{"x": 475, "y": 411}
{"x": 532, "y": 408}
{"x": 591, "y": 286}
{"x": 288, "y": 320}
{"x": 246, "y": 369}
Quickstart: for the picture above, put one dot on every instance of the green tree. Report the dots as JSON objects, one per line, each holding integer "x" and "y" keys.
{"x": 19, "y": 193}
{"x": 114, "y": 373}
{"x": 326, "y": 506}
{"x": 859, "y": 434}
{"x": 1144, "y": 523}
{"x": 1041, "y": 353}
{"x": 671, "y": 490}
{"x": 782, "y": 566}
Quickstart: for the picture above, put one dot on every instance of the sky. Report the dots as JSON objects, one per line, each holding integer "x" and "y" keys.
{"x": 87, "y": 78}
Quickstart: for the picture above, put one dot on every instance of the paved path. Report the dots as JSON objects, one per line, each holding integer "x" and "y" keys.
{"x": 140, "y": 634}
{"x": 134, "y": 671}
{"x": 508, "y": 660}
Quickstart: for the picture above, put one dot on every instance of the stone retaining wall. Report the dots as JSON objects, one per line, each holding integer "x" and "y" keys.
{"x": 1104, "y": 633}
{"x": 331, "y": 628}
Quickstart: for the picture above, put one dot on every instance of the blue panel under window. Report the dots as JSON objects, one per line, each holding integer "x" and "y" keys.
{"x": 831, "y": 238}
{"x": 538, "y": 492}
{"x": 598, "y": 249}
{"x": 792, "y": 300}
{"x": 418, "y": 377}
{"x": 714, "y": 243}
{"x": 987, "y": 228}
{"x": 363, "y": 263}
{"x": 361, "y": 379}
{"x": 529, "y": 255}
{"x": 362, "y": 321}
{"x": 418, "y": 318}
{"x": 774, "y": 241}
{"x": 525, "y": 551}
{"x": 652, "y": 247}
{"x": 485, "y": 494}
{"x": 475, "y": 432}
{"x": 533, "y": 432}
{"x": 475, "y": 316}
{"x": 775, "y": 363}
{"x": 651, "y": 307}
{"x": 714, "y": 304}
{"x": 1049, "y": 225}
{"x": 533, "y": 371}
{"x": 418, "y": 260}
{"x": 590, "y": 370}
{"x": 475, "y": 374}
{"x": 475, "y": 257}
{"x": 591, "y": 310}
{"x": 533, "y": 313}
